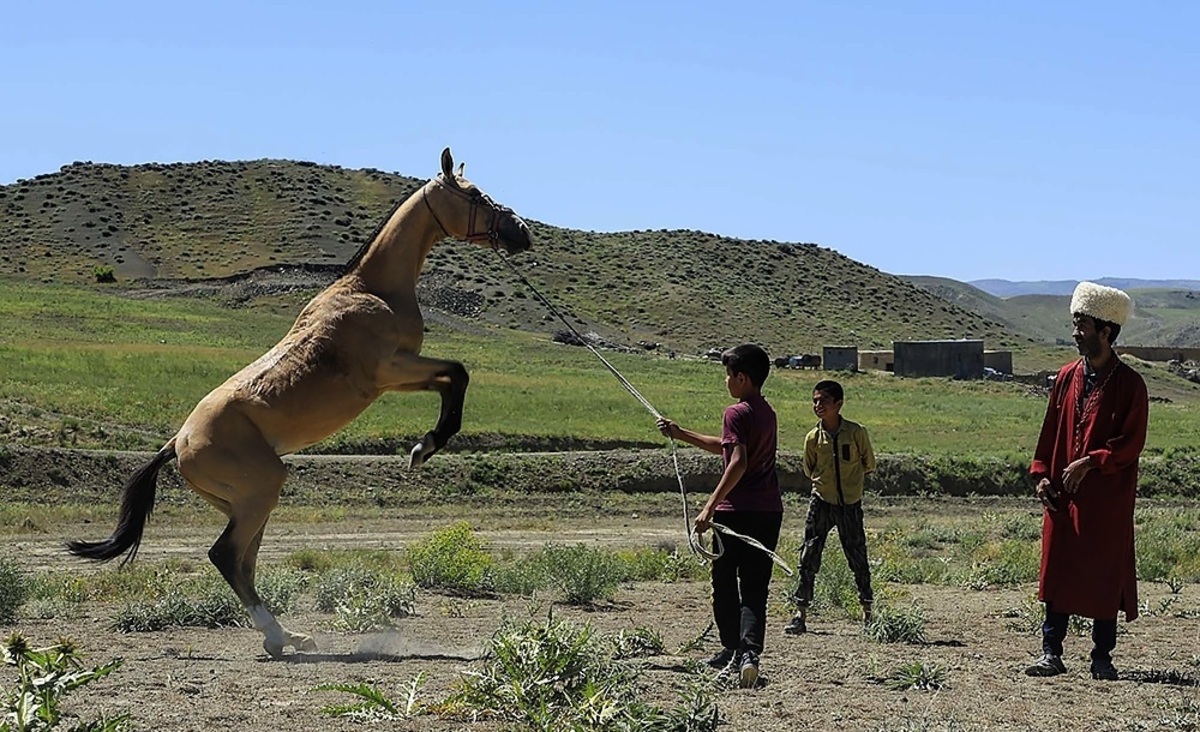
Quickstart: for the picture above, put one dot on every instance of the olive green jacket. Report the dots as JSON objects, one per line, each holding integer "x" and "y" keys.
{"x": 838, "y": 481}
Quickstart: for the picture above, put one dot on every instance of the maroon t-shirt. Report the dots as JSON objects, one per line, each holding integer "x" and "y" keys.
{"x": 751, "y": 423}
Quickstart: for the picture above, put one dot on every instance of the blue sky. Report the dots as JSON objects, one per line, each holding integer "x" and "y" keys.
{"x": 1020, "y": 140}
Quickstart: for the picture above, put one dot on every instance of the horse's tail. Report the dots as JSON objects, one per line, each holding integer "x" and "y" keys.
{"x": 136, "y": 505}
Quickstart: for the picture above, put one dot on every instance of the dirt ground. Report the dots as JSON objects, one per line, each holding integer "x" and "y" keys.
{"x": 199, "y": 679}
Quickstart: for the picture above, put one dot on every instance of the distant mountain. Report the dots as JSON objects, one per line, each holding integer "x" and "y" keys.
{"x": 1162, "y": 315}
{"x": 1009, "y": 288}
{"x": 1023, "y": 315}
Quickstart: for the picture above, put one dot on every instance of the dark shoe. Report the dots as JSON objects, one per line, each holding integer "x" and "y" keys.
{"x": 722, "y": 658}
{"x": 796, "y": 626}
{"x": 1048, "y": 665}
{"x": 748, "y": 673}
{"x": 1104, "y": 671}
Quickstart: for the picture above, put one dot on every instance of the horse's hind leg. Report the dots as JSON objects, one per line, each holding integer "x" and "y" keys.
{"x": 235, "y": 555}
{"x": 249, "y": 572}
{"x": 244, "y": 483}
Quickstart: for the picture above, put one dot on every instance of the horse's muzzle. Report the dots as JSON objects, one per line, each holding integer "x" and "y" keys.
{"x": 514, "y": 234}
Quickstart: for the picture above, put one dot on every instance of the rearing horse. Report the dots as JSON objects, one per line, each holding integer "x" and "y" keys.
{"x": 356, "y": 339}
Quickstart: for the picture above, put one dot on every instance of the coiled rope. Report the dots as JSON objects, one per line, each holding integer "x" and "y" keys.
{"x": 694, "y": 542}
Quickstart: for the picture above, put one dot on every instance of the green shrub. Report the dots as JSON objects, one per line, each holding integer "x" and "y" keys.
{"x": 834, "y": 590}
{"x": 1167, "y": 548}
{"x": 637, "y": 643}
{"x": 338, "y": 584}
{"x": 659, "y": 564}
{"x": 373, "y": 704}
{"x": 897, "y": 625}
{"x": 310, "y": 560}
{"x": 555, "y": 676}
{"x": 103, "y": 273}
{"x": 1011, "y": 562}
{"x": 584, "y": 575}
{"x": 44, "y": 677}
{"x": 523, "y": 576}
{"x": 55, "y": 595}
{"x": 1022, "y": 527}
{"x": 369, "y": 610}
{"x": 363, "y": 598}
{"x": 204, "y": 605}
{"x": 1025, "y": 618}
{"x": 452, "y": 560}
{"x": 280, "y": 589}
{"x": 14, "y": 590}
{"x": 917, "y": 676}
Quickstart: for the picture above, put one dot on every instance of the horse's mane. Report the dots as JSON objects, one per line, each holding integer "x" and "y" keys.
{"x": 362, "y": 249}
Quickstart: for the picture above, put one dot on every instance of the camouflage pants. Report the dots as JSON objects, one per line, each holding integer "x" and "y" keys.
{"x": 848, "y": 520}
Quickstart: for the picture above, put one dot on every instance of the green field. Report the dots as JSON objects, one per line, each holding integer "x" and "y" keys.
{"x": 97, "y": 369}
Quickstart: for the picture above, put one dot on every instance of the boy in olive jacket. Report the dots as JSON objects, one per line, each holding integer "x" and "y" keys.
{"x": 837, "y": 457}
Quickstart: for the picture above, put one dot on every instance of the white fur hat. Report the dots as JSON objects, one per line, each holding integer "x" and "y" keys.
{"x": 1100, "y": 302}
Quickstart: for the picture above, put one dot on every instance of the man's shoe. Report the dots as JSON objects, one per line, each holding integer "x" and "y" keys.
{"x": 722, "y": 658}
{"x": 796, "y": 626}
{"x": 1048, "y": 665}
{"x": 1104, "y": 671}
{"x": 748, "y": 675}
{"x": 866, "y": 606}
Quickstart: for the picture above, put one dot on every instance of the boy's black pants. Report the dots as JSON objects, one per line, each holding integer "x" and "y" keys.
{"x": 741, "y": 576}
{"x": 821, "y": 518}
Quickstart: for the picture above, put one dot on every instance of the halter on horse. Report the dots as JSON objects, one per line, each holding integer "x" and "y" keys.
{"x": 358, "y": 338}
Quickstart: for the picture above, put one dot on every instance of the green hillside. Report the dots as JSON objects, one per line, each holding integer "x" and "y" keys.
{"x": 1161, "y": 317}
{"x": 170, "y": 226}
{"x": 1035, "y": 324}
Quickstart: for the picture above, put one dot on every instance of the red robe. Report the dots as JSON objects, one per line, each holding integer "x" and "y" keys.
{"x": 1088, "y": 566}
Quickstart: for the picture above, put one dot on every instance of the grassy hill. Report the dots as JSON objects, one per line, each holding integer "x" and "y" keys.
{"x": 1161, "y": 317}
{"x": 164, "y": 226}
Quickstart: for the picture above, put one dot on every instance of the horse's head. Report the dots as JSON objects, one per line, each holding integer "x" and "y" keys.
{"x": 467, "y": 213}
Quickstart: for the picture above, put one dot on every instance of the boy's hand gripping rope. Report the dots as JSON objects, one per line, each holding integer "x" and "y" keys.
{"x": 694, "y": 542}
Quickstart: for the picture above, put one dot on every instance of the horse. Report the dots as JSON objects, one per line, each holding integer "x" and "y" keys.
{"x": 358, "y": 338}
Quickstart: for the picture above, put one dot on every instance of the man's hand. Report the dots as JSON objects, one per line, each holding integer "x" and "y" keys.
{"x": 703, "y": 520}
{"x": 667, "y": 427}
{"x": 1075, "y": 472}
{"x": 1046, "y": 494}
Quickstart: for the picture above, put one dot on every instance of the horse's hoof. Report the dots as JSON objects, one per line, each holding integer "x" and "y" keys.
{"x": 420, "y": 451}
{"x": 273, "y": 648}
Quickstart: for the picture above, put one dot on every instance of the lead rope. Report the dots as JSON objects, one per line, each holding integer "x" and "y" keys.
{"x": 694, "y": 542}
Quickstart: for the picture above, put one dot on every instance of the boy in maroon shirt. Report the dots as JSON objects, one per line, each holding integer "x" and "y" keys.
{"x": 746, "y": 500}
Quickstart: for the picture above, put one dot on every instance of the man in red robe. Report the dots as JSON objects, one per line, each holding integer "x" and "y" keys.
{"x": 1086, "y": 468}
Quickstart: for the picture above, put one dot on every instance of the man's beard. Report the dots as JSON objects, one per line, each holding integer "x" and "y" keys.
{"x": 1088, "y": 347}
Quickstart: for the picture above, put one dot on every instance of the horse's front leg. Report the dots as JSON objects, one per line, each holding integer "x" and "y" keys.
{"x": 410, "y": 372}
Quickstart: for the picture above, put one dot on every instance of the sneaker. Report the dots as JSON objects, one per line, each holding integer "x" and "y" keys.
{"x": 722, "y": 658}
{"x": 1048, "y": 665}
{"x": 1104, "y": 671}
{"x": 797, "y": 626}
{"x": 748, "y": 673}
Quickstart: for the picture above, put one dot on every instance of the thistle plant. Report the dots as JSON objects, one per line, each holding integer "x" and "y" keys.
{"x": 44, "y": 677}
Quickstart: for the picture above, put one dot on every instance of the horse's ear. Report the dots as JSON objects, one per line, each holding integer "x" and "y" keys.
{"x": 448, "y": 165}
{"x": 461, "y": 167}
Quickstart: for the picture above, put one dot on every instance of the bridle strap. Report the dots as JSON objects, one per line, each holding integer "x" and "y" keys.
{"x": 490, "y": 234}
{"x": 425, "y": 198}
